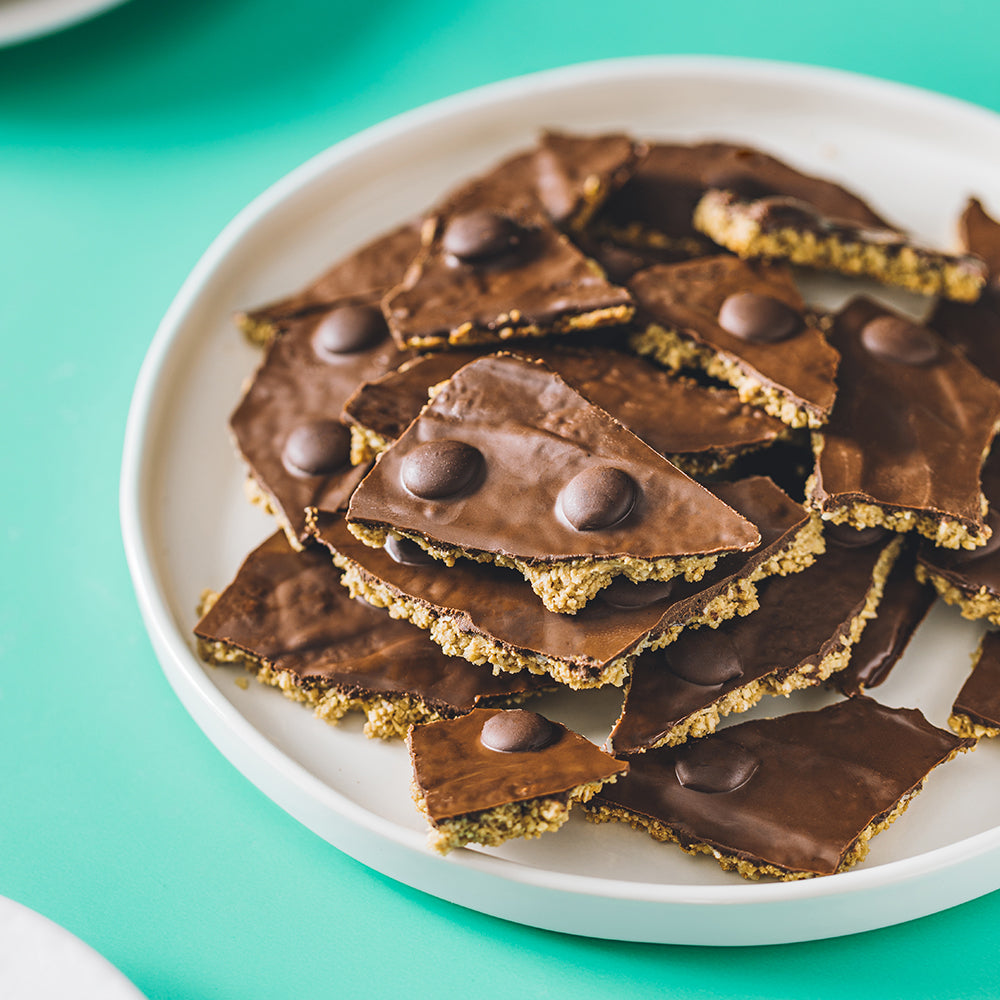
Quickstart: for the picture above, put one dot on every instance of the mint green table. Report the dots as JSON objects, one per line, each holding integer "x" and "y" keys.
{"x": 126, "y": 143}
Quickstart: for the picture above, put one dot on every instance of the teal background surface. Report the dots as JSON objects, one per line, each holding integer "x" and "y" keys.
{"x": 126, "y": 144}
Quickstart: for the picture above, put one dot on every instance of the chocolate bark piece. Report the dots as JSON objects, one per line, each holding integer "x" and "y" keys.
{"x": 372, "y": 269}
{"x": 493, "y": 775}
{"x": 976, "y": 711}
{"x": 783, "y": 228}
{"x": 286, "y": 618}
{"x": 657, "y": 205}
{"x": 494, "y": 268}
{"x": 744, "y": 323}
{"x": 974, "y": 328}
{"x": 287, "y": 427}
{"x": 509, "y": 464}
{"x": 575, "y": 174}
{"x": 904, "y": 605}
{"x": 791, "y": 797}
{"x": 802, "y": 633}
{"x": 970, "y": 580}
{"x": 701, "y": 429}
{"x": 489, "y": 614}
{"x": 905, "y": 442}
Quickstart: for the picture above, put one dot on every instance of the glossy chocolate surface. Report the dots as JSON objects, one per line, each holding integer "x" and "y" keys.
{"x": 979, "y": 698}
{"x": 458, "y": 774}
{"x": 499, "y": 604}
{"x": 299, "y": 386}
{"x": 823, "y": 777}
{"x": 289, "y": 609}
{"x": 536, "y": 435}
{"x": 802, "y": 618}
{"x": 905, "y": 437}
{"x": 905, "y": 602}
{"x": 687, "y": 298}
{"x": 674, "y": 416}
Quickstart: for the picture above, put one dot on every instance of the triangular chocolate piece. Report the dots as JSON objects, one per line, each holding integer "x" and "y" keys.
{"x": 508, "y": 464}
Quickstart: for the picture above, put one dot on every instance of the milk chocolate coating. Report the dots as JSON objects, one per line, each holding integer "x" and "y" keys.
{"x": 904, "y": 605}
{"x": 459, "y": 776}
{"x": 499, "y": 604}
{"x": 289, "y": 609}
{"x": 295, "y": 386}
{"x": 979, "y": 698}
{"x": 687, "y": 298}
{"x": 823, "y": 778}
{"x": 536, "y": 434}
{"x": 549, "y": 280}
{"x": 904, "y": 437}
{"x": 372, "y": 270}
{"x": 675, "y": 416}
{"x": 668, "y": 183}
{"x": 802, "y": 618}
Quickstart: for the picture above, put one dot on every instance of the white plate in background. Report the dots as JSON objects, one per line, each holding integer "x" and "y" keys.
{"x": 187, "y": 526}
{"x": 21, "y": 20}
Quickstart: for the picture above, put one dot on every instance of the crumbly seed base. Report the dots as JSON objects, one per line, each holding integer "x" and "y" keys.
{"x": 741, "y": 699}
{"x": 974, "y": 605}
{"x": 917, "y": 270}
{"x": 490, "y": 828}
{"x": 510, "y": 327}
{"x": 671, "y": 349}
{"x": 945, "y": 532}
{"x": 964, "y": 725}
{"x": 565, "y": 586}
{"x": 366, "y": 445}
{"x": 258, "y": 331}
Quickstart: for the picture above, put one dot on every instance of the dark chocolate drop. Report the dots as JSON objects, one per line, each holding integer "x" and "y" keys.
{"x": 317, "y": 448}
{"x": 598, "y": 497}
{"x": 854, "y": 538}
{"x": 706, "y": 657}
{"x": 481, "y": 237}
{"x": 759, "y": 319}
{"x": 714, "y": 765}
{"x": 348, "y": 330}
{"x": 518, "y": 731}
{"x": 623, "y": 593}
{"x": 901, "y": 341}
{"x": 406, "y": 552}
{"x": 439, "y": 469}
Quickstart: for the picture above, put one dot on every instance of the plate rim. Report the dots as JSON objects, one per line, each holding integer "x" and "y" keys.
{"x": 209, "y": 707}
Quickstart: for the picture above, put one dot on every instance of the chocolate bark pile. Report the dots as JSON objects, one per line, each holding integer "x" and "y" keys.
{"x": 533, "y": 439}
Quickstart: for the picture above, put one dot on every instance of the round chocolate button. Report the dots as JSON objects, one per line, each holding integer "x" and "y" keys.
{"x": 759, "y": 319}
{"x": 439, "y": 469}
{"x": 518, "y": 731}
{"x": 317, "y": 448}
{"x": 901, "y": 341}
{"x": 480, "y": 237}
{"x": 849, "y": 537}
{"x": 598, "y": 497}
{"x": 348, "y": 330}
{"x": 624, "y": 594}
{"x": 406, "y": 552}
{"x": 712, "y": 765}
{"x": 705, "y": 657}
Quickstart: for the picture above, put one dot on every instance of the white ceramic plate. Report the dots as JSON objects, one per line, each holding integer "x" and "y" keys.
{"x": 24, "y": 19}
{"x": 186, "y": 524}
{"x": 40, "y": 960}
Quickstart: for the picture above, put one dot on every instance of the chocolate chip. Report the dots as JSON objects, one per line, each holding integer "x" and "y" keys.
{"x": 899, "y": 340}
{"x": 406, "y": 552}
{"x": 598, "y": 497}
{"x": 712, "y": 765}
{"x": 705, "y": 657}
{"x": 317, "y": 448}
{"x": 348, "y": 330}
{"x": 759, "y": 319}
{"x": 439, "y": 469}
{"x": 518, "y": 731}
{"x": 849, "y": 537}
{"x": 481, "y": 237}
{"x": 623, "y": 593}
